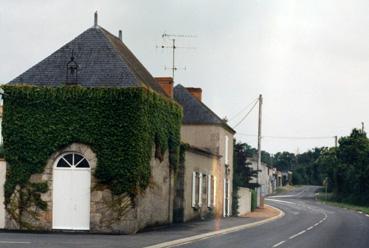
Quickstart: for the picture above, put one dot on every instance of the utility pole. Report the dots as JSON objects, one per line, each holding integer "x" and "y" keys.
{"x": 259, "y": 141}
{"x": 336, "y": 141}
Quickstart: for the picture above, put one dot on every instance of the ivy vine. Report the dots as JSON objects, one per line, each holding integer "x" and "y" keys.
{"x": 121, "y": 125}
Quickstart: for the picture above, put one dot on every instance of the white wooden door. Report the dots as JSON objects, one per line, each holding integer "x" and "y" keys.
{"x": 71, "y": 192}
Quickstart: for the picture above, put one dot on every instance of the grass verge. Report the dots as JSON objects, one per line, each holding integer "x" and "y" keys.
{"x": 286, "y": 189}
{"x": 328, "y": 200}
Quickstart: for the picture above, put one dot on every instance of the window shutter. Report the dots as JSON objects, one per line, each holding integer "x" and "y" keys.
{"x": 229, "y": 200}
{"x": 215, "y": 191}
{"x": 224, "y": 197}
{"x": 200, "y": 190}
{"x": 209, "y": 191}
{"x": 226, "y": 150}
{"x": 193, "y": 189}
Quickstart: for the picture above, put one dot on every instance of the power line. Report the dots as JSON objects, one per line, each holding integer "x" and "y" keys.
{"x": 289, "y": 137}
{"x": 247, "y": 114}
{"x": 242, "y": 110}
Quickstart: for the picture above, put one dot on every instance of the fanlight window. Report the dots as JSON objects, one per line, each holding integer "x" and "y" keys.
{"x": 72, "y": 160}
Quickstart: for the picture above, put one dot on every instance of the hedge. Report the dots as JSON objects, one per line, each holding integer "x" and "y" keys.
{"x": 254, "y": 199}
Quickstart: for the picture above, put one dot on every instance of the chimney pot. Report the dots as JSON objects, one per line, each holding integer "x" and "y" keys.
{"x": 95, "y": 19}
{"x": 120, "y": 35}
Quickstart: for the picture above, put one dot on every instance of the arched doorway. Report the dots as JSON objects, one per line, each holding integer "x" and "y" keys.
{"x": 71, "y": 192}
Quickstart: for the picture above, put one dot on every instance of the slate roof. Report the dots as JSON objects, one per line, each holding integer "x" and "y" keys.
{"x": 195, "y": 111}
{"x": 103, "y": 61}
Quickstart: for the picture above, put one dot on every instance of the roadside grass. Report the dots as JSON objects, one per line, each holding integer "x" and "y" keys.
{"x": 327, "y": 199}
{"x": 286, "y": 189}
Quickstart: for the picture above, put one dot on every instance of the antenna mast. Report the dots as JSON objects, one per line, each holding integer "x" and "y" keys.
{"x": 173, "y": 47}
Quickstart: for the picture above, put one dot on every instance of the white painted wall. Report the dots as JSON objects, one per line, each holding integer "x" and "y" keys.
{"x": 244, "y": 201}
{"x": 2, "y": 181}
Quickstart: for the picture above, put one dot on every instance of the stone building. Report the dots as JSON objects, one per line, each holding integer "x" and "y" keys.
{"x": 205, "y": 181}
{"x": 95, "y": 58}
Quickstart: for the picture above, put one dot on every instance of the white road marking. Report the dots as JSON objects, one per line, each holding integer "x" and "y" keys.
{"x": 14, "y": 242}
{"x": 297, "y": 234}
{"x": 274, "y": 200}
{"x": 359, "y": 212}
{"x": 276, "y": 245}
{"x": 285, "y": 196}
{"x": 367, "y": 215}
{"x": 281, "y": 196}
{"x": 213, "y": 234}
{"x": 302, "y": 232}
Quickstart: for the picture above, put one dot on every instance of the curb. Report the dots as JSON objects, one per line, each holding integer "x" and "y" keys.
{"x": 217, "y": 233}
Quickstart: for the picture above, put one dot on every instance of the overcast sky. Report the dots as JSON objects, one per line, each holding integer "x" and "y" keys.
{"x": 309, "y": 58}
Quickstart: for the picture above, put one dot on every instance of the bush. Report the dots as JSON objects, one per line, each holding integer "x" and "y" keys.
{"x": 254, "y": 200}
{"x": 1, "y": 151}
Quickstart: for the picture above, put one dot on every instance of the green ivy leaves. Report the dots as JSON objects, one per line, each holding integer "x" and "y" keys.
{"x": 121, "y": 125}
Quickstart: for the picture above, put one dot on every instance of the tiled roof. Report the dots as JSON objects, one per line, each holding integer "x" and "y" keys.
{"x": 103, "y": 61}
{"x": 195, "y": 111}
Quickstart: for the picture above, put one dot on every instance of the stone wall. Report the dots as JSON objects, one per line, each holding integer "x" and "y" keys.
{"x": 108, "y": 213}
{"x": 244, "y": 201}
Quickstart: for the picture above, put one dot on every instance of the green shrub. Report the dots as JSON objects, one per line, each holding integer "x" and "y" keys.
{"x": 254, "y": 200}
{"x": 1, "y": 151}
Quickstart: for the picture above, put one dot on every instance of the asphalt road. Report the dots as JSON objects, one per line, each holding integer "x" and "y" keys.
{"x": 306, "y": 224}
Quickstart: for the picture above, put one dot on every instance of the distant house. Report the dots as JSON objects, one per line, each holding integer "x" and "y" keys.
{"x": 95, "y": 59}
{"x": 204, "y": 185}
{"x": 266, "y": 179}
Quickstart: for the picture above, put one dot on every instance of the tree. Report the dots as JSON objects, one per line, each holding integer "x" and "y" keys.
{"x": 347, "y": 168}
{"x": 353, "y": 154}
{"x": 284, "y": 161}
{"x": 243, "y": 173}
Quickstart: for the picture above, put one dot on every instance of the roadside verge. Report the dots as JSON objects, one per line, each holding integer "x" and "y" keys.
{"x": 203, "y": 236}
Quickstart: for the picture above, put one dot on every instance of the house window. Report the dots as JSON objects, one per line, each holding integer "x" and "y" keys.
{"x": 199, "y": 189}
{"x": 72, "y": 160}
{"x": 195, "y": 188}
{"x": 226, "y": 198}
{"x": 211, "y": 191}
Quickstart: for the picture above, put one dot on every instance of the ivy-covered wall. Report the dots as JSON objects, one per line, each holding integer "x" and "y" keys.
{"x": 121, "y": 125}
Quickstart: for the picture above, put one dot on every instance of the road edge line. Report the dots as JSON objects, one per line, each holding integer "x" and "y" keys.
{"x": 219, "y": 232}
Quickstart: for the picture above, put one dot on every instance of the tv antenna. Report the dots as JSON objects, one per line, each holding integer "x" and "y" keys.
{"x": 174, "y": 47}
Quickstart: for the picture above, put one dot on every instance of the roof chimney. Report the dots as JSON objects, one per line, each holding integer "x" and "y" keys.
{"x": 196, "y": 92}
{"x": 166, "y": 84}
{"x": 95, "y": 19}
{"x": 120, "y": 35}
